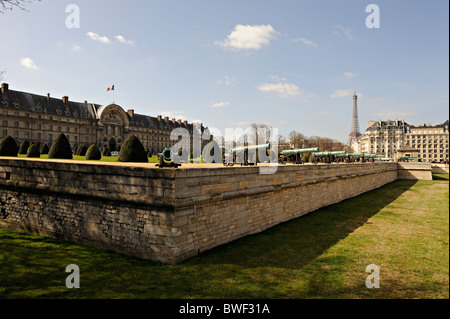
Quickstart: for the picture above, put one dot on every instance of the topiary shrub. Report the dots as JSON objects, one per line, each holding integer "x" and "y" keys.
{"x": 8, "y": 147}
{"x": 60, "y": 148}
{"x": 24, "y": 147}
{"x": 77, "y": 151}
{"x": 82, "y": 151}
{"x": 106, "y": 151}
{"x": 45, "y": 149}
{"x": 33, "y": 151}
{"x": 132, "y": 150}
{"x": 93, "y": 153}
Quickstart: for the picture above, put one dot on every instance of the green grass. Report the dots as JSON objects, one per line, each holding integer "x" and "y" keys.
{"x": 402, "y": 227}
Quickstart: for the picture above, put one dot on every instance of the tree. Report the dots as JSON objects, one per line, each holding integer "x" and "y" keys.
{"x": 8, "y": 147}
{"x": 93, "y": 153}
{"x": 132, "y": 150}
{"x": 33, "y": 151}
{"x": 24, "y": 147}
{"x": 11, "y": 4}
{"x": 60, "y": 148}
{"x": 262, "y": 133}
{"x": 45, "y": 149}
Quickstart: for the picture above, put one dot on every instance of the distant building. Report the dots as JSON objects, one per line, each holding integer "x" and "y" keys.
{"x": 430, "y": 141}
{"x": 387, "y": 137}
{"x": 39, "y": 119}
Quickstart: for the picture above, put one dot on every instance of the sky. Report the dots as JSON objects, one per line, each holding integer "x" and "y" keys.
{"x": 291, "y": 64}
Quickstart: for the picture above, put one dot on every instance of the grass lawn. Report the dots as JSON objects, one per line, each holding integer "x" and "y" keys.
{"x": 402, "y": 227}
{"x": 153, "y": 159}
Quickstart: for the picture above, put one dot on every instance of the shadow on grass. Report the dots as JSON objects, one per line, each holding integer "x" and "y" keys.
{"x": 296, "y": 243}
{"x": 440, "y": 177}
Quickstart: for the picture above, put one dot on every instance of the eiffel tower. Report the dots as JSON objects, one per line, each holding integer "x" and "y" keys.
{"x": 355, "y": 133}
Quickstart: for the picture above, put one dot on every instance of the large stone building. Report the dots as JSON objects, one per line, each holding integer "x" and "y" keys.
{"x": 39, "y": 119}
{"x": 387, "y": 137}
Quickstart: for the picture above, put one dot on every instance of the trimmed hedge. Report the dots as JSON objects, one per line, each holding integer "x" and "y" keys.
{"x": 60, "y": 148}
{"x": 45, "y": 149}
{"x": 82, "y": 151}
{"x": 106, "y": 151}
{"x": 33, "y": 151}
{"x": 93, "y": 153}
{"x": 132, "y": 150}
{"x": 24, "y": 147}
{"x": 8, "y": 147}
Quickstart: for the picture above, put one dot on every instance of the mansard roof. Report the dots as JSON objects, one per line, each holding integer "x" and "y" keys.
{"x": 49, "y": 105}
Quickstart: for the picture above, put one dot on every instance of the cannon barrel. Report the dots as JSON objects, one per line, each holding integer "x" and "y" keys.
{"x": 335, "y": 153}
{"x": 299, "y": 150}
{"x": 370, "y": 155}
{"x": 356, "y": 154}
{"x": 249, "y": 147}
{"x": 167, "y": 154}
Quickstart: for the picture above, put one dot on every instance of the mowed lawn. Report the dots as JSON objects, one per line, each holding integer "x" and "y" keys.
{"x": 402, "y": 227}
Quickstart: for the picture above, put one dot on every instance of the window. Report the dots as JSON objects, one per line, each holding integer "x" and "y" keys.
{"x": 5, "y": 123}
{"x": 27, "y": 135}
{"x": 39, "y": 127}
{"x": 50, "y": 128}
{"x": 27, "y": 125}
{"x": 5, "y": 133}
{"x": 59, "y": 128}
{"x": 68, "y": 130}
{"x": 16, "y": 134}
{"x": 39, "y": 136}
{"x": 16, "y": 124}
{"x": 50, "y": 137}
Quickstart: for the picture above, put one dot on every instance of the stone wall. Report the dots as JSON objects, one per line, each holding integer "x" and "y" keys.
{"x": 440, "y": 168}
{"x": 415, "y": 171}
{"x": 165, "y": 214}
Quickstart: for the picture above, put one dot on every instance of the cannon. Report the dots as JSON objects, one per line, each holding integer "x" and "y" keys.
{"x": 165, "y": 159}
{"x": 242, "y": 153}
{"x": 355, "y": 157}
{"x": 328, "y": 157}
{"x": 294, "y": 155}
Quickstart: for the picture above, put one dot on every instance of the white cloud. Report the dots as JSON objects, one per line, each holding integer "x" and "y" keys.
{"x": 76, "y": 48}
{"x": 341, "y": 30}
{"x": 284, "y": 90}
{"x": 228, "y": 81}
{"x": 341, "y": 93}
{"x": 121, "y": 39}
{"x": 96, "y": 37}
{"x": 28, "y": 63}
{"x": 349, "y": 74}
{"x": 248, "y": 37}
{"x": 305, "y": 42}
{"x": 220, "y": 104}
{"x": 174, "y": 115}
{"x": 394, "y": 114}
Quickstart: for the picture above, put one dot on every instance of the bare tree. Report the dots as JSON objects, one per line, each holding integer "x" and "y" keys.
{"x": 11, "y": 4}
{"x": 262, "y": 132}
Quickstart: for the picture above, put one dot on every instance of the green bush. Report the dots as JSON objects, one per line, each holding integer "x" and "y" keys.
{"x": 8, "y": 147}
{"x": 33, "y": 151}
{"x": 106, "y": 151}
{"x": 60, "y": 148}
{"x": 82, "y": 151}
{"x": 132, "y": 150}
{"x": 93, "y": 153}
{"x": 45, "y": 149}
{"x": 24, "y": 147}
{"x": 77, "y": 151}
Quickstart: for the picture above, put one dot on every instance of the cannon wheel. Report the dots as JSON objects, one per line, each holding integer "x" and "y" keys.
{"x": 161, "y": 162}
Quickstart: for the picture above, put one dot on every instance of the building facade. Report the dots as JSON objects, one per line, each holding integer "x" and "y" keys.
{"x": 39, "y": 119}
{"x": 387, "y": 137}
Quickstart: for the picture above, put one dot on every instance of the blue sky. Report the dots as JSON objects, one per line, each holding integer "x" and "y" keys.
{"x": 290, "y": 64}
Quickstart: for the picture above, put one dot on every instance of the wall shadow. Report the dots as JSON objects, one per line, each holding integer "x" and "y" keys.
{"x": 295, "y": 243}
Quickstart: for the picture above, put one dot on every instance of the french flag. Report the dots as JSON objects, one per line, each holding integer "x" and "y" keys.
{"x": 111, "y": 88}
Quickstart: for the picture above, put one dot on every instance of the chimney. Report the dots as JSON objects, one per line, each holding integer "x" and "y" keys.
{"x": 48, "y": 97}
{"x": 185, "y": 123}
{"x": 179, "y": 122}
{"x": 159, "y": 118}
{"x": 131, "y": 113}
{"x": 174, "y": 121}
{"x": 166, "y": 119}
{"x": 5, "y": 90}
{"x": 65, "y": 100}
{"x": 85, "y": 102}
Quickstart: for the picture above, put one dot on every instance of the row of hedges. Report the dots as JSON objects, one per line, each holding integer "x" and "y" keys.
{"x": 132, "y": 150}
